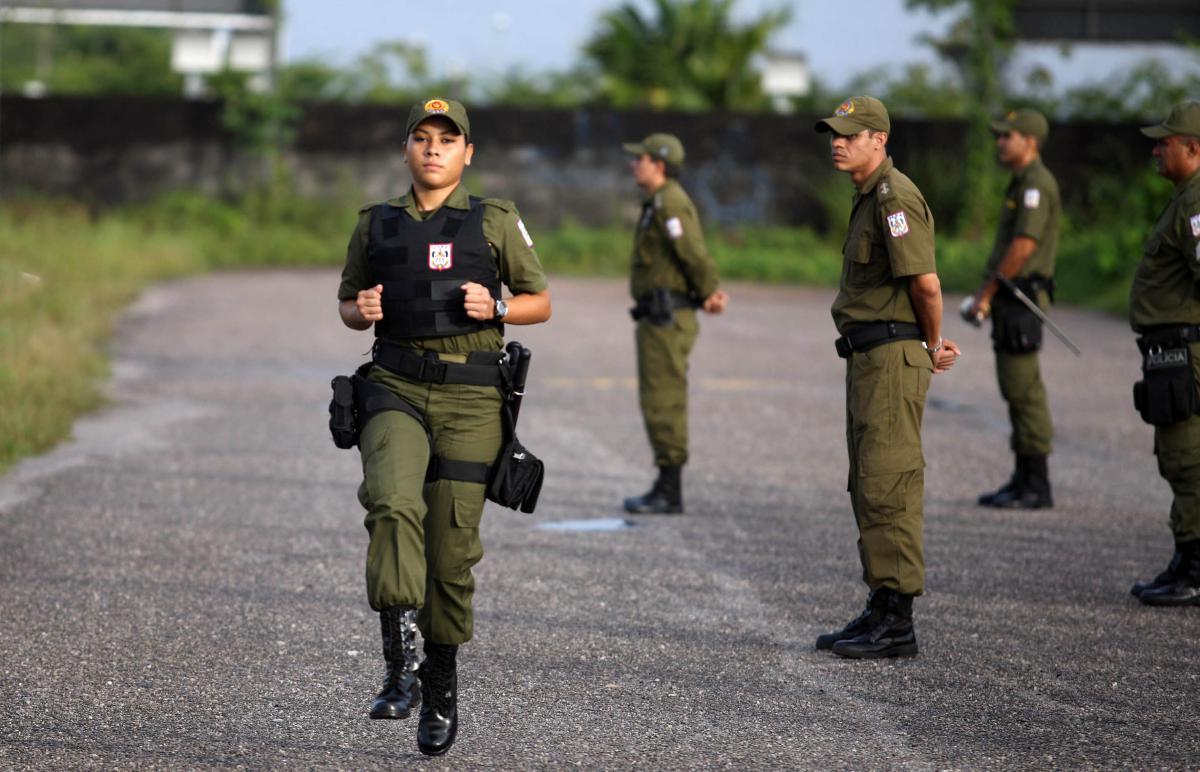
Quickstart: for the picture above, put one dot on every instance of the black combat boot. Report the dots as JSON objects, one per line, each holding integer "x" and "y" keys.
{"x": 401, "y": 692}
{"x": 1166, "y": 577}
{"x": 1032, "y": 490}
{"x": 439, "y": 689}
{"x": 1006, "y": 489}
{"x": 891, "y": 636}
{"x": 1184, "y": 588}
{"x": 665, "y": 497}
{"x": 876, "y": 601}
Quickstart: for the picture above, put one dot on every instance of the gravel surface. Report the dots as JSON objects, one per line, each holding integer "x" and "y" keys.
{"x": 181, "y": 584}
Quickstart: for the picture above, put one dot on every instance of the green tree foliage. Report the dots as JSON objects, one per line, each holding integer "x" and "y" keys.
{"x": 690, "y": 55}
{"x": 978, "y": 45}
{"x": 87, "y": 60}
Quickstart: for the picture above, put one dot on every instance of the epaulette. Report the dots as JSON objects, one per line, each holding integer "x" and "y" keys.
{"x": 886, "y": 188}
{"x": 502, "y": 204}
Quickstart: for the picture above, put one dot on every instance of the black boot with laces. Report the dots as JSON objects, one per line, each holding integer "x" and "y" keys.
{"x": 891, "y": 636}
{"x": 401, "y": 692}
{"x": 439, "y": 691}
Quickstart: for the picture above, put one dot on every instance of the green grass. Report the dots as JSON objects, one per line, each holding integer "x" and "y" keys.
{"x": 66, "y": 274}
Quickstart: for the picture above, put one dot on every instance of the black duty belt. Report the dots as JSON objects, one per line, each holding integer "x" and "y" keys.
{"x": 1168, "y": 335}
{"x": 480, "y": 369}
{"x": 868, "y": 336}
{"x": 675, "y": 301}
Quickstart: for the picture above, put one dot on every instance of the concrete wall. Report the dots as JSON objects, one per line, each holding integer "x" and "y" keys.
{"x": 557, "y": 164}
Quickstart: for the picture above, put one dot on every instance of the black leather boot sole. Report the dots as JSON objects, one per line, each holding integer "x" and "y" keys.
{"x": 652, "y": 505}
{"x": 884, "y": 648}
{"x": 1171, "y": 595}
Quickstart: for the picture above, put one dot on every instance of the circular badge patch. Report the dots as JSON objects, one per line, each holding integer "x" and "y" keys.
{"x": 845, "y": 108}
{"x": 436, "y": 106}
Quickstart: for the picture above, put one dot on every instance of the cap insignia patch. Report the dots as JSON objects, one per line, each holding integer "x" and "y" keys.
{"x": 1012, "y": 116}
{"x": 897, "y": 224}
{"x": 1033, "y": 197}
{"x": 845, "y": 108}
{"x": 663, "y": 151}
{"x": 1195, "y": 223}
{"x": 436, "y": 106}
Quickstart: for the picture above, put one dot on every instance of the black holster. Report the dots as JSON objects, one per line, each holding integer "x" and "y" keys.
{"x": 658, "y": 306}
{"x": 1015, "y": 328}
{"x": 1167, "y": 393}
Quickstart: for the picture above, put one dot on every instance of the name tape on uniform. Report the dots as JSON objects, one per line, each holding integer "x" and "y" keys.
{"x": 674, "y": 227}
{"x": 897, "y": 224}
{"x": 524, "y": 233}
{"x": 1195, "y": 222}
{"x": 1033, "y": 197}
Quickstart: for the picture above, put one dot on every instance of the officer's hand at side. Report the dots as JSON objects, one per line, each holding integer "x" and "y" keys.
{"x": 370, "y": 303}
{"x": 478, "y": 301}
{"x": 715, "y": 303}
{"x": 945, "y": 359}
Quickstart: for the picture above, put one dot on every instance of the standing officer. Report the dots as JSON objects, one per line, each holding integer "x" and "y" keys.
{"x": 425, "y": 270}
{"x": 889, "y": 313}
{"x": 1164, "y": 309}
{"x": 1026, "y": 242}
{"x": 671, "y": 275}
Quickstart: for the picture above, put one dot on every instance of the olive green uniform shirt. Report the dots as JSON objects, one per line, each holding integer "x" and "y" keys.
{"x": 1033, "y": 208}
{"x": 1165, "y": 287}
{"x": 519, "y": 267}
{"x": 668, "y": 247}
{"x": 890, "y": 238}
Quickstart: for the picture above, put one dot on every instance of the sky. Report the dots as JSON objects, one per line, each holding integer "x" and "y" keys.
{"x": 840, "y": 38}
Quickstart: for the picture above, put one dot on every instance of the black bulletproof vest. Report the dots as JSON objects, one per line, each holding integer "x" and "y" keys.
{"x": 422, "y": 265}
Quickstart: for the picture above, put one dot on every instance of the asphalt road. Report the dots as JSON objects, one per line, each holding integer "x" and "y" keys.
{"x": 181, "y": 584}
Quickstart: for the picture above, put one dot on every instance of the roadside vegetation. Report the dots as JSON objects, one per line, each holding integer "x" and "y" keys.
{"x": 67, "y": 272}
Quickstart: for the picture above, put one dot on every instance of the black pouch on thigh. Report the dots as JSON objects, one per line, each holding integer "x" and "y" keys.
{"x": 1016, "y": 329}
{"x": 343, "y": 424}
{"x": 516, "y": 477}
{"x": 1167, "y": 393}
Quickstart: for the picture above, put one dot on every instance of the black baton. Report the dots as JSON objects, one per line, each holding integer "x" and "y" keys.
{"x": 518, "y": 362}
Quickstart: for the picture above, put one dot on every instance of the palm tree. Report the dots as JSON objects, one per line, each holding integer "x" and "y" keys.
{"x": 690, "y": 56}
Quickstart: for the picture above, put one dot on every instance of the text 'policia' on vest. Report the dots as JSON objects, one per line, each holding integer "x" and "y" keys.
{"x": 422, "y": 265}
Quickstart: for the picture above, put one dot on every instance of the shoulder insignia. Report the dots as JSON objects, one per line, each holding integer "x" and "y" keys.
{"x": 1195, "y": 223}
{"x": 674, "y": 228}
{"x": 897, "y": 224}
{"x": 524, "y": 233}
{"x": 1033, "y": 197}
{"x": 884, "y": 188}
{"x": 658, "y": 200}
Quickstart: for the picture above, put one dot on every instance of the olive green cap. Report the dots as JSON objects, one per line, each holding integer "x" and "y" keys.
{"x": 1031, "y": 123}
{"x": 666, "y": 147}
{"x": 854, "y": 115}
{"x": 437, "y": 107}
{"x": 1184, "y": 119}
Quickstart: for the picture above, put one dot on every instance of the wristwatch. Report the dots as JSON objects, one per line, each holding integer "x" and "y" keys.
{"x": 934, "y": 348}
{"x": 500, "y": 311}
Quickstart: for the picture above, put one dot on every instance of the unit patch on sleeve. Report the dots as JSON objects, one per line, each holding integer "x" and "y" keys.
{"x": 674, "y": 227}
{"x": 897, "y": 224}
{"x": 1033, "y": 197}
{"x": 441, "y": 257}
{"x": 524, "y": 233}
{"x": 1195, "y": 222}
